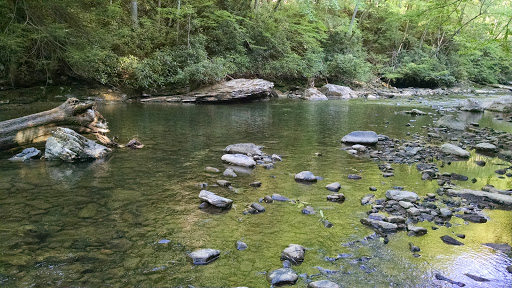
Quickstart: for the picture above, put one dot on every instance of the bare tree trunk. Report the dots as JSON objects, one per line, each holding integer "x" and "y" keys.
{"x": 79, "y": 116}
{"x": 134, "y": 13}
{"x": 277, "y": 5}
{"x": 178, "y": 23}
{"x": 353, "y": 18}
{"x": 188, "y": 32}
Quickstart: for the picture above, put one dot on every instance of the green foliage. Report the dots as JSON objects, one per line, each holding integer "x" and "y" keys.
{"x": 408, "y": 43}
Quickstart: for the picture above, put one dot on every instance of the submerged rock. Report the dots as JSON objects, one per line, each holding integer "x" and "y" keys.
{"x": 26, "y": 154}
{"x": 277, "y": 197}
{"x": 361, "y": 137}
{"x": 204, "y": 256}
{"x": 293, "y": 253}
{"x": 211, "y": 169}
{"x": 323, "y": 284}
{"x": 67, "y": 145}
{"x": 283, "y": 276}
{"x": 454, "y": 150}
{"x": 442, "y": 278}
{"x": 240, "y": 246}
{"x": 451, "y": 122}
{"x": 334, "y": 187}
{"x": 471, "y": 105}
{"x": 338, "y": 197}
{"x": 229, "y": 172}
{"x": 503, "y": 247}
{"x": 305, "y": 176}
{"x": 368, "y": 199}
{"x": 238, "y": 160}
{"x": 451, "y": 241}
{"x": 215, "y": 199}
{"x": 381, "y": 226}
{"x": 249, "y": 149}
{"x": 415, "y": 112}
{"x": 308, "y": 210}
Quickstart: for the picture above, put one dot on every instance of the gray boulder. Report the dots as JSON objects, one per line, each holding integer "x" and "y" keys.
{"x": 401, "y": 195}
{"x": 293, "y": 253}
{"x": 451, "y": 241}
{"x": 26, "y": 154}
{"x": 503, "y": 105}
{"x": 343, "y": 92}
{"x": 306, "y": 176}
{"x": 361, "y": 137}
{"x": 238, "y": 160}
{"x": 69, "y": 146}
{"x": 215, "y": 199}
{"x": 337, "y": 197}
{"x": 313, "y": 94}
{"x": 418, "y": 231}
{"x": 445, "y": 212}
{"x": 454, "y": 150}
{"x": 323, "y": 284}
{"x": 451, "y": 122}
{"x": 283, "y": 276}
{"x": 368, "y": 199}
{"x": 471, "y": 105}
{"x": 249, "y": 149}
{"x": 204, "y": 256}
{"x": 486, "y": 147}
{"x": 334, "y": 187}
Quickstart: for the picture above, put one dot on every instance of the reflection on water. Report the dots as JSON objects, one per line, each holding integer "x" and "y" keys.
{"x": 100, "y": 223}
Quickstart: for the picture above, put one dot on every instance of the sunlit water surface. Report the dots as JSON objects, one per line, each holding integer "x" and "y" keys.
{"x": 98, "y": 224}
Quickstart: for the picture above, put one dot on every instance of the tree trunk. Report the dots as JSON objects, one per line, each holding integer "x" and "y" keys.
{"x": 134, "y": 13}
{"x": 353, "y": 19}
{"x": 79, "y": 116}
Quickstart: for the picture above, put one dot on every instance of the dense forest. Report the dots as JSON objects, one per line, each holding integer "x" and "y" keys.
{"x": 176, "y": 43}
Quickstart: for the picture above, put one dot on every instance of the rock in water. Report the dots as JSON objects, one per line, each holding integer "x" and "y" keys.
{"x": 67, "y": 145}
{"x": 306, "y": 176}
{"x": 442, "y": 278}
{"x": 450, "y": 241}
{"x": 337, "y": 197}
{"x": 334, "y": 187}
{"x": 249, "y": 149}
{"x": 215, "y": 199}
{"x": 26, "y": 154}
{"x": 454, "y": 150}
{"x": 400, "y": 195}
{"x": 361, "y": 137}
{"x": 477, "y": 278}
{"x": 323, "y": 284}
{"x": 241, "y": 245}
{"x": 503, "y": 247}
{"x": 415, "y": 112}
{"x": 283, "y": 276}
{"x": 238, "y": 160}
{"x": 368, "y": 199}
{"x": 294, "y": 253}
{"x": 486, "y": 147}
{"x": 382, "y": 226}
{"x": 331, "y": 90}
{"x": 308, "y": 210}
{"x": 204, "y": 256}
{"x": 313, "y": 94}
{"x": 449, "y": 121}
{"x": 471, "y": 106}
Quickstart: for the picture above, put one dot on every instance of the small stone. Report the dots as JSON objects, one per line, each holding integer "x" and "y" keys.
{"x": 26, "y": 154}
{"x": 229, "y": 172}
{"x": 258, "y": 207}
{"x": 268, "y": 199}
{"x": 386, "y": 175}
{"x": 283, "y": 276}
{"x": 318, "y": 154}
{"x": 338, "y": 197}
{"x": 445, "y": 212}
{"x": 450, "y": 241}
{"x": 308, "y": 210}
{"x": 454, "y": 150}
{"x": 323, "y": 284}
{"x": 480, "y": 163}
{"x": 354, "y": 177}
{"x": 418, "y": 231}
{"x": 327, "y": 224}
{"x": 405, "y": 204}
{"x": 255, "y": 184}
{"x": 278, "y": 197}
{"x": 509, "y": 269}
{"x": 223, "y": 183}
{"x": 414, "y": 248}
{"x": 276, "y": 157}
{"x": 294, "y": 253}
{"x": 211, "y": 169}
{"x": 241, "y": 245}
{"x": 334, "y": 187}
{"x": 306, "y": 176}
{"x": 413, "y": 211}
{"x": 204, "y": 256}
{"x": 400, "y": 195}
{"x": 461, "y": 236}
{"x": 368, "y": 199}
{"x": 373, "y": 188}
{"x": 214, "y": 199}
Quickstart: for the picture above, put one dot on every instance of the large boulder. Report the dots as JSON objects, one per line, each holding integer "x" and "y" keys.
{"x": 454, "y": 150}
{"x": 204, "y": 256}
{"x": 361, "y": 137}
{"x": 238, "y": 160}
{"x": 400, "y": 195}
{"x": 67, "y": 145}
{"x": 503, "y": 105}
{"x": 343, "y": 92}
{"x": 294, "y": 253}
{"x": 215, "y": 199}
{"x": 486, "y": 147}
{"x": 313, "y": 94}
{"x": 249, "y": 149}
{"x": 471, "y": 105}
{"x": 451, "y": 122}
{"x": 26, "y": 154}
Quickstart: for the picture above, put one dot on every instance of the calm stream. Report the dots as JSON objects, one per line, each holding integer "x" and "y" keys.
{"x": 99, "y": 224}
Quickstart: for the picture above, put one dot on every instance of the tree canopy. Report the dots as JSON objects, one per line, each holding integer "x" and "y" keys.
{"x": 176, "y": 43}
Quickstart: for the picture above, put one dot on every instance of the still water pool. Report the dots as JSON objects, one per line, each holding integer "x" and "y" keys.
{"x": 99, "y": 224}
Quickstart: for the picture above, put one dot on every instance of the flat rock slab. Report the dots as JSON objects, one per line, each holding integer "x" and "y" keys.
{"x": 454, "y": 150}
{"x": 69, "y": 146}
{"x": 501, "y": 199}
{"x": 277, "y": 197}
{"x": 323, "y": 284}
{"x": 503, "y": 247}
{"x": 249, "y": 149}
{"x": 451, "y": 122}
{"x": 204, "y": 256}
{"x": 401, "y": 195}
{"x": 337, "y": 197}
{"x": 382, "y": 226}
{"x": 215, "y": 199}
{"x": 238, "y": 160}
{"x": 487, "y": 147}
{"x": 283, "y": 276}
{"x": 451, "y": 241}
{"x": 361, "y": 137}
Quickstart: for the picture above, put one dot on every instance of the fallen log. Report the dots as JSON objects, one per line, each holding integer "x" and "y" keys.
{"x": 79, "y": 116}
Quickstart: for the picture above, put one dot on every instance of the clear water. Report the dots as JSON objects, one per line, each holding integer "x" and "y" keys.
{"x": 98, "y": 224}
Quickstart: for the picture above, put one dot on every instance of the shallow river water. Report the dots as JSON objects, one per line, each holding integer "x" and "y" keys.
{"x": 99, "y": 224}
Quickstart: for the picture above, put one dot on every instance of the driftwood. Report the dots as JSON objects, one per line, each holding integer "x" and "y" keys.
{"x": 79, "y": 116}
